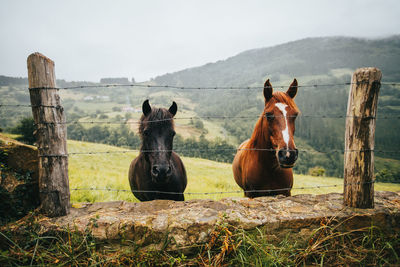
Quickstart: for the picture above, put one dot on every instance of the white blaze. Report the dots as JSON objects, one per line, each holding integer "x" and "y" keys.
{"x": 285, "y": 132}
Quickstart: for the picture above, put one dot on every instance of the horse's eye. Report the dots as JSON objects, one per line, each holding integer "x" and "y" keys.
{"x": 173, "y": 133}
{"x": 146, "y": 132}
{"x": 270, "y": 116}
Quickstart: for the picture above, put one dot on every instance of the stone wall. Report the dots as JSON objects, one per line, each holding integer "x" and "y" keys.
{"x": 185, "y": 224}
{"x": 19, "y": 192}
{"x": 148, "y": 224}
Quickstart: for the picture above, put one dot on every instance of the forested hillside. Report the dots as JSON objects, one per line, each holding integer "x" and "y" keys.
{"x": 312, "y": 56}
{"x": 313, "y": 61}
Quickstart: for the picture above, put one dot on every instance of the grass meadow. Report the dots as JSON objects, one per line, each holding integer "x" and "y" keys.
{"x": 110, "y": 171}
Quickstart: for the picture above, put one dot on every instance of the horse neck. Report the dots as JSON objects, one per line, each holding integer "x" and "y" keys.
{"x": 258, "y": 138}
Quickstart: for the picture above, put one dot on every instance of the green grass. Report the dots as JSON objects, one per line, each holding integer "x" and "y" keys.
{"x": 227, "y": 246}
{"x": 111, "y": 171}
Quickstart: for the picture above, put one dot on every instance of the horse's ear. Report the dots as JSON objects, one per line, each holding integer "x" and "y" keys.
{"x": 292, "y": 91}
{"x": 146, "y": 107}
{"x": 267, "y": 90}
{"x": 173, "y": 108}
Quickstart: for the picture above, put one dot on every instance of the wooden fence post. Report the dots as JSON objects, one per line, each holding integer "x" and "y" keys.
{"x": 51, "y": 136}
{"x": 359, "y": 138}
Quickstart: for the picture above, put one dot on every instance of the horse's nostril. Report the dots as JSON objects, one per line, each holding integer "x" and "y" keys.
{"x": 287, "y": 157}
{"x": 155, "y": 170}
{"x": 296, "y": 153}
{"x": 283, "y": 154}
{"x": 161, "y": 171}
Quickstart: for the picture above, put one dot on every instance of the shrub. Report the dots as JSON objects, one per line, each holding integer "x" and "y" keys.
{"x": 316, "y": 171}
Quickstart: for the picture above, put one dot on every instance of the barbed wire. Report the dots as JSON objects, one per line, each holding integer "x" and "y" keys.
{"x": 131, "y": 121}
{"x": 221, "y": 192}
{"x": 203, "y": 87}
{"x": 193, "y": 117}
{"x": 150, "y": 86}
{"x": 188, "y": 87}
{"x": 216, "y": 150}
{"x": 197, "y": 117}
{"x": 195, "y": 87}
{"x": 391, "y": 83}
{"x": 30, "y": 106}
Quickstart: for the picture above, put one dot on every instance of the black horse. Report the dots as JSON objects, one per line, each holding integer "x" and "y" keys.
{"x": 157, "y": 169}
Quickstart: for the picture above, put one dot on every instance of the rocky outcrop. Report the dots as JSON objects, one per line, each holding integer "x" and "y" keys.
{"x": 184, "y": 224}
{"x": 19, "y": 174}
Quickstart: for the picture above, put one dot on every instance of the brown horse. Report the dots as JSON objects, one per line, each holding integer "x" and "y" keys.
{"x": 264, "y": 161}
{"x": 158, "y": 172}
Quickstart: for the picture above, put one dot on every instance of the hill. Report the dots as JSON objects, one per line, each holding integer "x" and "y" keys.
{"x": 311, "y": 56}
{"x": 329, "y": 60}
{"x": 312, "y": 61}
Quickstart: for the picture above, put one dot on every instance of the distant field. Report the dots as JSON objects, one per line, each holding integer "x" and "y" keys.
{"x": 111, "y": 171}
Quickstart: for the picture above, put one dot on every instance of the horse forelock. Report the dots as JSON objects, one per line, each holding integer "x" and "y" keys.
{"x": 158, "y": 118}
{"x": 281, "y": 97}
{"x": 258, "y": 139}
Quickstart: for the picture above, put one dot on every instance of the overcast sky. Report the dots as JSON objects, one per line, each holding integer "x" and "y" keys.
{"x": 92, "y": 39}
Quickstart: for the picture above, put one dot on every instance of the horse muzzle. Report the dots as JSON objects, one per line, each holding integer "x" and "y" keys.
{"x": 161, "y": 173}
{"x": 287, "y": 157}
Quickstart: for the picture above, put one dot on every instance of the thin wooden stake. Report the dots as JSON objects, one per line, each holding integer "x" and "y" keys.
{"x": 359, "y": 138}
{"x": 51, "y": 136}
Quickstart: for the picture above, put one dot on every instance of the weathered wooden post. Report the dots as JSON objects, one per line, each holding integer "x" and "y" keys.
{"x": 359, "y": 138}
{"x": 51, "y": 136}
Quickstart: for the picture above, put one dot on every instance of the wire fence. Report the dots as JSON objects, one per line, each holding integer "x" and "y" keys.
{"x": 221, "y": 192}
{"x": 188, "y": 87}
{"x": 216, "y": 149}
{"x": 131, "y": 121}
{"x": 136, "y": 150}
{"x": 154, "y": 86}
{"x": 204, "y": 87}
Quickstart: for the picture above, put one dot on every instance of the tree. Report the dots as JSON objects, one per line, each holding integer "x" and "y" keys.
{"x": 25, "y": 128}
